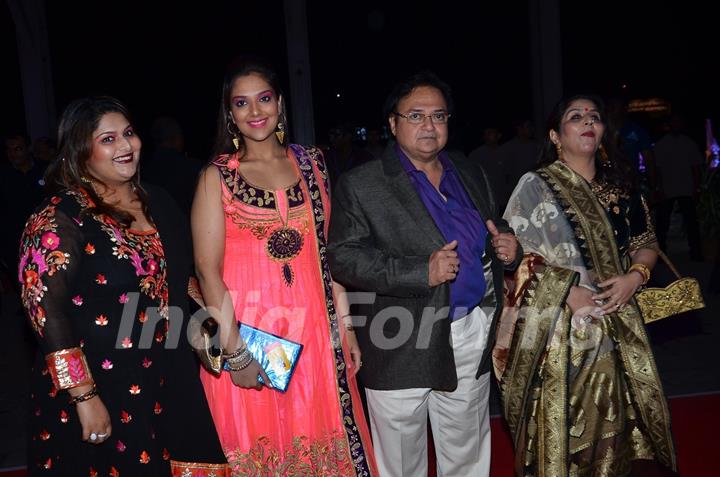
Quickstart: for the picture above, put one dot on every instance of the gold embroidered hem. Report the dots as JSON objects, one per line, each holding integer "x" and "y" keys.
{"x": 195, "y": 469}
{"x": 68, "y": 368}
{"x": 647, "y": 239}
{"x": 324, "y": 457}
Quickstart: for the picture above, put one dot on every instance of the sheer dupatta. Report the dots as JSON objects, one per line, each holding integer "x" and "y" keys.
{"x": 581, "y": 395}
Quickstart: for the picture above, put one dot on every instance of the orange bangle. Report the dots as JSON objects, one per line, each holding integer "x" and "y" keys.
{"x": 68, "y": 368}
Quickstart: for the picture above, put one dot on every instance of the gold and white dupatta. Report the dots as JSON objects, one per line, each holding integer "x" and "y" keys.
{"x": 581, "y": 395}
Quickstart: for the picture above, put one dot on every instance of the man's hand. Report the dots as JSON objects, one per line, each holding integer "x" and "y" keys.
{"x": 444, "y": 264}
{"x": 505, "y": 244}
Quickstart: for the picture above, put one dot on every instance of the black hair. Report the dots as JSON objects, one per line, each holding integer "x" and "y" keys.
{"x": 405, "y": 87}
{"x": 242, "y": 67}
{"x": 613, "y": 169}
{"x": 69, "y": 169}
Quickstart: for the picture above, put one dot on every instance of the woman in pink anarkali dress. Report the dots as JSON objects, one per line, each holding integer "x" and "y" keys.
{"x": 260, "y": 223}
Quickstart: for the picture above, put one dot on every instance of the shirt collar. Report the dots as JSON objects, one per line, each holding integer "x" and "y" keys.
{"x": 410, "y": 168}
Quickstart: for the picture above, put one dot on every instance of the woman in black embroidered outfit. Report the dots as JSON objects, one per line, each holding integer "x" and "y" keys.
{"x": 106, "y": 294}
{"x": 259, "y": 221}
{"x": 581, "y": 392}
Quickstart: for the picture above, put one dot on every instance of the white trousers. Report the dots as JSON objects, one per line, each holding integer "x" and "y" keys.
{"x": 460, "y": 419}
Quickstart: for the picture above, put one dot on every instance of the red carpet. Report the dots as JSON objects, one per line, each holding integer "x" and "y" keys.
{"x": 695, "y": 421}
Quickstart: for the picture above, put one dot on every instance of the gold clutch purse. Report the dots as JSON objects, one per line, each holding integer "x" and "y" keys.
{"x": 678, "y": 297}
{"x": 200, "y": 335}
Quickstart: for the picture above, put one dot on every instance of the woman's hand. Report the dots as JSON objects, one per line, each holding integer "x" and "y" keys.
{"x": 580, "y": 300}
{"x": 355, "y": 353}
{"x": 95, "y": 420}
{"x": 248, "y": 377}
{"x": 621, "y": 289}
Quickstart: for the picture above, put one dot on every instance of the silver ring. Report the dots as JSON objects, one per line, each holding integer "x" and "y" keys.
{"x": 102, "y": 436}
{"x": 93, "y": 437}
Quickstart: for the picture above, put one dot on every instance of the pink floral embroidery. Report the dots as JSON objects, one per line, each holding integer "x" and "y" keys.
{"x": 39, "y": 259}
{"x": 127, "y": 343}
{"x": 107, "y": 365}
{"x": 123, "y": 298}
{"x": 50, "y": 240}
{"x": 39, "y": 256}
{"x": 152, "y": 267}
{"x": 232, "y": 164}
{"x": 146, "y": 363}
{"x": 77, "y": 300}
{"x": 76, "y": 368}
{"x": 120, "y": 446}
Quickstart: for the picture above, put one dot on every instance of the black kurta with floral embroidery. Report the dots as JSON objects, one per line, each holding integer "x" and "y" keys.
{"x": 102, "y": 291}
{"x": 629, "y": 216}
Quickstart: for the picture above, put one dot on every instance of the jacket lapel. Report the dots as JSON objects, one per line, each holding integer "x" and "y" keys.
{"x": 408, "y": 197}
{"x": 477, "y": 192}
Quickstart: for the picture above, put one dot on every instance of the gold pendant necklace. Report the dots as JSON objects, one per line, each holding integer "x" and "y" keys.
{"x": 284, "y": 244}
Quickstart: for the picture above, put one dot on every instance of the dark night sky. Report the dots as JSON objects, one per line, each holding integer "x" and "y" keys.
{"x": 168, "y": 57}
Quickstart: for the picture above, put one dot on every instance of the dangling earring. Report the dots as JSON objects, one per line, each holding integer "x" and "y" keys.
{"x": 558, "y": 148}
{"x": 235, "y": 140}
{"x": 85, "y": 179}
{"x": 280, "y": 133}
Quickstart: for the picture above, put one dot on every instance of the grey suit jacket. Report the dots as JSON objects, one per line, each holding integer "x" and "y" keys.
{"x": 381, "y": 238}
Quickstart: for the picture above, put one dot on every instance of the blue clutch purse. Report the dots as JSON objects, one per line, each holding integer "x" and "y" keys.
{"x": 277, "y": 356}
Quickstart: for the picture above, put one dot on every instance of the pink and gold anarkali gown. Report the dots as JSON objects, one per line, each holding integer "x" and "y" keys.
{"x": 276, "y": 270}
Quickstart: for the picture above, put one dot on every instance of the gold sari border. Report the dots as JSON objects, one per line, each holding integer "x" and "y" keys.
{"x": 591, "y": 223}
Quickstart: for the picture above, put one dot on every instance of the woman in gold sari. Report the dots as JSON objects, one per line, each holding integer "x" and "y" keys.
{"x": 580, "y": 389}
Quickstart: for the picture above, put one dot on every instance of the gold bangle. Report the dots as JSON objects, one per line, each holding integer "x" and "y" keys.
{"x": 642, "y": 269}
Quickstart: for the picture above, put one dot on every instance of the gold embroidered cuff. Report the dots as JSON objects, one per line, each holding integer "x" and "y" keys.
{"x": 68, "y": 368}
{"x": 197, "y": 469}
{"x": 643, "y": 240}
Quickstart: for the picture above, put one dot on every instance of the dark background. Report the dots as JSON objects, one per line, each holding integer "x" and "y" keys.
{"x": 167, "y": 58}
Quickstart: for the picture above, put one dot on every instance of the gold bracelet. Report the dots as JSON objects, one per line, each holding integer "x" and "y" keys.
{"x": 642, "y": 269}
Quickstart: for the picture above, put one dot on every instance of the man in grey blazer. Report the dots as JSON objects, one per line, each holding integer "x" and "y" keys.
{"x": 417, "y": 229}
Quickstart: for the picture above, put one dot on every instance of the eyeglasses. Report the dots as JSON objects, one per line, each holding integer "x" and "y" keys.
{"x": 438, "y": 117}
